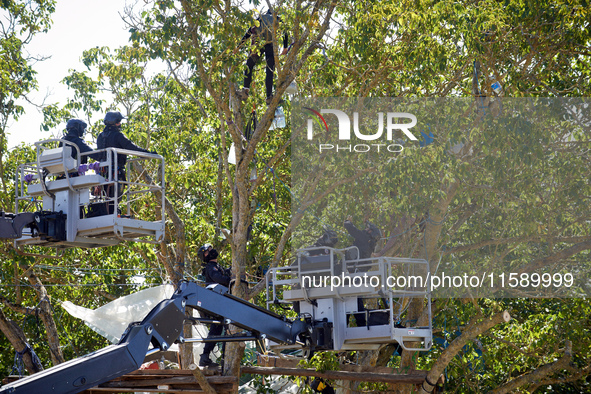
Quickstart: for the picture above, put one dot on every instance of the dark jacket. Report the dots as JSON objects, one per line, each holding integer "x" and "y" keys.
{"x": 112, "y": 137}
{"x": 215, "y": 274}
{"x": 264, "y": 30}
{"x": 79, "y": 142}
{"x": 363, "y": 240}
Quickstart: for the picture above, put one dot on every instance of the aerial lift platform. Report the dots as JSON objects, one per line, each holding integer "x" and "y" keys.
{"x": 346, "y": 294}
{"x": 163, "y": 326}
{"x": 60, "y": 203}
{"x": 322, "y": 324}
{"x": 54, "y": 209}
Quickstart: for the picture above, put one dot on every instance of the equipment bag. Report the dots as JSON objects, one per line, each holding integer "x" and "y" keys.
{"x": 265, "y": 27}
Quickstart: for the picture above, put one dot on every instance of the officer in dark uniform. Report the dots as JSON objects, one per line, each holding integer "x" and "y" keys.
{"x": 366, "y": 241}
{"x": 328, "y": 240}
{"x": 112, "y": 137}
{"x": 213, "y": 274}
{"x": 75, "y": 129}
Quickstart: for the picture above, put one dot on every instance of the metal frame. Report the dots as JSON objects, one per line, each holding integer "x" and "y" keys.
{"x": 162, "y": 327}
{"x": 73, "y": 193}
{"x": 286, "y": 285}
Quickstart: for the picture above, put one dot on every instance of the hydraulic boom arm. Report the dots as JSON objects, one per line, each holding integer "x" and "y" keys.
{"x": 11, "y": 225}
{"x": 162, "y": 327}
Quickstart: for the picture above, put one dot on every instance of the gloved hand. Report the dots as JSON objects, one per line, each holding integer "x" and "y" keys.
{"x": 29, "y": 178}
{"x": 95, "y": 166}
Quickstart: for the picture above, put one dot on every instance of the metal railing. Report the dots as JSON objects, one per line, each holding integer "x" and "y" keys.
{"x": 93, "y": 185}
{"x": 395, "y": 280}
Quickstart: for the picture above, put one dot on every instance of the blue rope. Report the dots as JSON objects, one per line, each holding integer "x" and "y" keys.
{"x": 19, "y": 365}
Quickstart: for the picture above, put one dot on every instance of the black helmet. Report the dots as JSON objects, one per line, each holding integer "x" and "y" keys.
{"x": 212, "y": 255}
{"x": 374, "y": 231}
{"x": 77, "y": 126}
{"x": 328, "y": 239}
{"x": 202, "y": 250}
{"x": 113, "y": 118}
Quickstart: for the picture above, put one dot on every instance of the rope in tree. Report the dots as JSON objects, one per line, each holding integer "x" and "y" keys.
{"x": 19, "y": 365}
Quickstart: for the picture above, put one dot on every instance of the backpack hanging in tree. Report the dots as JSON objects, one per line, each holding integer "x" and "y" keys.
{"x": 265, "y": 27}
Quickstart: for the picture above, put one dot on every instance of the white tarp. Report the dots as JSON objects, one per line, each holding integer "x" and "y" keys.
{"x": 279, "y": 384}
{"x": 112, "y": 319}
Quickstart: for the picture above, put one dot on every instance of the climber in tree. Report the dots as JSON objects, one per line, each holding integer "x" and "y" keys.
{"x": 261, "y": 36}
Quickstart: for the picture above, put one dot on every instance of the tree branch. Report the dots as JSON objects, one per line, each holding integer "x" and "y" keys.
{"x": 17, "y": 339}
{"x": 46, "y": 316}
{"x": 179, "y": 227}
{"x": 18, "y": 308}
{"x": 563, "y": 254}
{"x": 578, "y": 375}
{"x": 474, "y": 329}
{"x": 205, "y": 386}
{"x": 536, "y": 374}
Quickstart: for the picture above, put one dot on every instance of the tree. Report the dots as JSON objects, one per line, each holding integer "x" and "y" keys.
{"x": 442, "y": 63}
{"x": 21, "y": 21}
{"x": 470, "y": 201}
{"x": 213, "y": 32}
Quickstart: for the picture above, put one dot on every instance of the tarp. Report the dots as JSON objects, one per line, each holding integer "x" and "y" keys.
{"x": 112, "y": 319}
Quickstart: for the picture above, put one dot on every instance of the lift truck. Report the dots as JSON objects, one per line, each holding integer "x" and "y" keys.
{"x": 320, "y": 326}
{"x": 162, "y": 327}
{"x": 365, "y": 300}
{"x": 323, "y": 322}
{"x": 326, "y": 313}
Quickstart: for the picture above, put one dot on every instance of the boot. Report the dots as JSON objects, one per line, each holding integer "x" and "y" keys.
{"x": 204, "y": 361}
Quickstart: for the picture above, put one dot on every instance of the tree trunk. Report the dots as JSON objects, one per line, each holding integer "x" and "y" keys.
{"x": 46, "y": 315}
{"x": 234, "y": 351}
{"x": 176, "y": 263}
{"x": 16, "y": 337}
